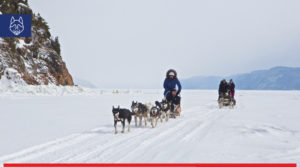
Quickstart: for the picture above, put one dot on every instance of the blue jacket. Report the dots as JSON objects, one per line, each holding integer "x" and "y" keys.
{"x": 171, "y": 84}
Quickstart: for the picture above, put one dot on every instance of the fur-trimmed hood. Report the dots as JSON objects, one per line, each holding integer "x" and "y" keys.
{"x": 171, "y": 70}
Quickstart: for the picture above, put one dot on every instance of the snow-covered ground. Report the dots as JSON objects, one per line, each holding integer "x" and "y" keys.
{"x": 78, "y": 127}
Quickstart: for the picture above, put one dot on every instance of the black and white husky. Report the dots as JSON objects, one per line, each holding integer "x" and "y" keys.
{"x": 121, "y": 114}
{"x": 155, "y": 114}
{"x": 140, "y": 110}
{"x": 166, "y": 109}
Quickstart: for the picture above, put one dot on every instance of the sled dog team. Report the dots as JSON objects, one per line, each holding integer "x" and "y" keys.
{"x": 168, "y": 107}
{"x": 153, "y": 112}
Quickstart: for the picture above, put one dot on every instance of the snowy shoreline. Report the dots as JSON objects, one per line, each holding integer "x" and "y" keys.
{"x": 53, "y": 90}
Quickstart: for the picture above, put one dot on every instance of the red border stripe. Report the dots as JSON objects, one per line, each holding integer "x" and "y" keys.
{"x": 152, "y": 165}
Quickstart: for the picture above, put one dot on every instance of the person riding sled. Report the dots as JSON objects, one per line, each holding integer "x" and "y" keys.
{"x": 171, "y": 94}
{"x": 231, "y": 88}
{"x": 223, "y": 88}
{"x": 226, "y": 94}
{"x": 171, "y": 82}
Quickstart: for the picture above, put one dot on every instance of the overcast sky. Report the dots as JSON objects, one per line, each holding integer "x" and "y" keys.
{"x": 132, "y": 43}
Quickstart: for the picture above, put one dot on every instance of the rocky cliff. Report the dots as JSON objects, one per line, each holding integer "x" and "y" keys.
{"x": 35, "y": 60}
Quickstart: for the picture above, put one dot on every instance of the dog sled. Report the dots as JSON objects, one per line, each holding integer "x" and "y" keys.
{"x": 226, "y": 100}
{"x": 176, "y": 112}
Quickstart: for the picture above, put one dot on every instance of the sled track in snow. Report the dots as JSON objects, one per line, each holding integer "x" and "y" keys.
{"x": 262, "y": 128}
{"x": 102, "y": 145}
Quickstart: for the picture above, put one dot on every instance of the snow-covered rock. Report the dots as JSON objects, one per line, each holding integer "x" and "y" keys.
{"x": 36, "y": 59}
{"x": 11, "y": 77}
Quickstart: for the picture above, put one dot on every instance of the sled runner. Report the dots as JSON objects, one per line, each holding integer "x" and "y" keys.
{"x": 226, "y": 100}
{"x": 176, "y": 112}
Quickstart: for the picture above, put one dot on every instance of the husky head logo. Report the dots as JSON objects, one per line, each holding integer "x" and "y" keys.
{"x": 16, "y": 25}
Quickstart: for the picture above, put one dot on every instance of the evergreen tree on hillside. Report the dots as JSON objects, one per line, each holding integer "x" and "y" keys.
{"x": 56, "y": 45}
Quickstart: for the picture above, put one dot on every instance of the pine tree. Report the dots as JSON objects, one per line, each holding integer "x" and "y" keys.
{"x": 56, "y": 45}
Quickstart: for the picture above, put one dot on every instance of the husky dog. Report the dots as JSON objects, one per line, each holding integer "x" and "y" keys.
{"x": 140, "y": 110}
{"x": 121, "y": 114}
{"x": 165, "y": 108}
{"x": 149, "y": 105}
{"x": 16, "y": 25}
{"x": 155, "y": 113}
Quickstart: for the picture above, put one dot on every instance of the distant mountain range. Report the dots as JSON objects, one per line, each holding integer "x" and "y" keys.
{"x": 83, "y": 83}
{"x": 277, "y": 78}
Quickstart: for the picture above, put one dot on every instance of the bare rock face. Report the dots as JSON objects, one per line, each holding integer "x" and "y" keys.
{"x": 35, "y": 60}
